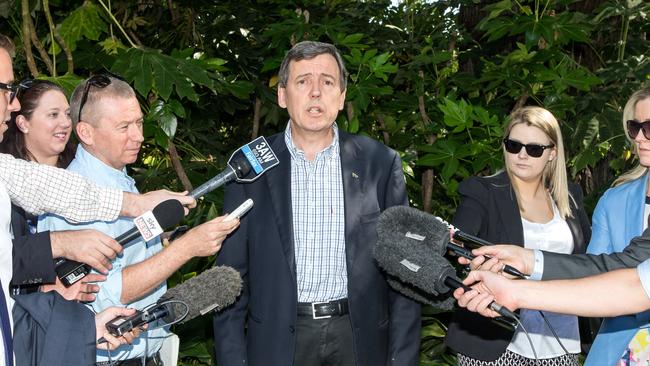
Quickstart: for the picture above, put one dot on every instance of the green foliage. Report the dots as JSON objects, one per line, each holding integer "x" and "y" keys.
{"x": 434, "y": 80}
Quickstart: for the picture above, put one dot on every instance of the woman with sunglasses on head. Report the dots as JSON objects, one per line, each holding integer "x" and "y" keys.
{"x": 621, "y": 214}
{"x": 529, "y": 204}
{"x": 40, "y": 132}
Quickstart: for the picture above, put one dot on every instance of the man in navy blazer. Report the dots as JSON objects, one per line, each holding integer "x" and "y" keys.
{"x": 313, "y": 294}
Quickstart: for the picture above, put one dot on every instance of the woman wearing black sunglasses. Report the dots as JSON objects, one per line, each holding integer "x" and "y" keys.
{"x": 620, "y": 215}
{"x": 528, "y": 204}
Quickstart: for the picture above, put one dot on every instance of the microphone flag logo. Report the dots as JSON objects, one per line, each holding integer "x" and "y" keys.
{"x": 147, "y": 226}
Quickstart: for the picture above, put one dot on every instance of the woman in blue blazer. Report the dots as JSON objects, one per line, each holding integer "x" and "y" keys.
{"x": 620, "y": 215}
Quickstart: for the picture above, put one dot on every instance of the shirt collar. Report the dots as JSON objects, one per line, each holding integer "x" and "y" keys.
{"x": 327, "y": 152}
{"x": 89, "y": 160}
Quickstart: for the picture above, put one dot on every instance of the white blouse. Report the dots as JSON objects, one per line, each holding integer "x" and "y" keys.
{"x": 553, "y": 236}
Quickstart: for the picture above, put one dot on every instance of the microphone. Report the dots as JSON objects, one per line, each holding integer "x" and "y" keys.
{"x": 416, "y": 262}
{"x": 214, "y": 289}
{"x": 419, "y": 225}
{"x": 148, "y": 226}
{"x": 246, "y": 164}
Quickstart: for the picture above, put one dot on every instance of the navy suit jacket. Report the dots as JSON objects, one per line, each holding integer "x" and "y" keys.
{"x": 50, "y": 330}
{"x": 259, "y": 328}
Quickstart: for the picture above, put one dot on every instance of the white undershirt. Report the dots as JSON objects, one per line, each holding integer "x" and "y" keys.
{"x": 553, "y": 236}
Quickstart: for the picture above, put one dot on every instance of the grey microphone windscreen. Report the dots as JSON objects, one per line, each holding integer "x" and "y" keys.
{"x": 214, "y": 289}
{"x": 409, "y": 248}
{"x": 399, "y": 223}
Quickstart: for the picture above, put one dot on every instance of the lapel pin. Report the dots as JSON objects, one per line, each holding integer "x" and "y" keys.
{"x": 354, "y": 175}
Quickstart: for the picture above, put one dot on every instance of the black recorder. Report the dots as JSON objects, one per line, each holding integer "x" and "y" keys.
{"x": 69, "y": 271}
{"x": 124, "y": 324}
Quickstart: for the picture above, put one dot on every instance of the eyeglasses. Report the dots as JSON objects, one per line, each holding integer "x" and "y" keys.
{"x": 14, "y": 89}
{"x": 533, "y": 150}
{"x": 633, "y": 127}
{"x": 99, "y": 81}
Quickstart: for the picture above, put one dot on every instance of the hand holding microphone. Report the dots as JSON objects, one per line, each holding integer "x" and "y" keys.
{"x": 213, "y": 289}
{"x": 487, "y": 287}
{"x": 495, "y": 257}
{"x": 418, "y": 225}
{"x": 410, "y": 248}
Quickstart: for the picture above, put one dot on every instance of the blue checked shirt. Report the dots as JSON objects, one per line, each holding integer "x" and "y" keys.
{"x": 318, "y": 222}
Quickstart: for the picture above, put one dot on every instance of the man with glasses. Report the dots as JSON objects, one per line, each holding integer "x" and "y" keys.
{"x": 38, "y": 188}
{"x": 107, "y": 120}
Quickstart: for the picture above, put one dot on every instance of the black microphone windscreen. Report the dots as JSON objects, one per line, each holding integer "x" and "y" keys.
{"x": 168, "y": 213}
{"x": 214, "y": 289}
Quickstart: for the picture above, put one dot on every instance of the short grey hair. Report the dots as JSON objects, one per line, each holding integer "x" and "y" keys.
{"x": 117, "y": 88}
{"x": 306, "y": 50}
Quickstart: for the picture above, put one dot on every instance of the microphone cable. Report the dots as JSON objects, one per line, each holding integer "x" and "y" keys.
{"x": 530, "y": 341}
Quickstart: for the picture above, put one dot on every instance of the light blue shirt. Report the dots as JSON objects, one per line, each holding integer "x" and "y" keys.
{"x": 137, "y": 251}
{"x": 644, "y": 274}
{"x": 318, "y": 222}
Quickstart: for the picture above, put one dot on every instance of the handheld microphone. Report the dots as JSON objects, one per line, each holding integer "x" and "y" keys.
{"x": 246, "y": 164}
{"x": 214, "y": 289}
{"x": 148, "y": 226}
{"x": 422, "y": 226}
{"x": 414, "y": 261}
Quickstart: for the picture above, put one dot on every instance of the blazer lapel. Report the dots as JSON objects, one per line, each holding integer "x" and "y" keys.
{"x": 352, "y": 163}
{"x": 508, "y": 209}
{"x": 279, "y": 188}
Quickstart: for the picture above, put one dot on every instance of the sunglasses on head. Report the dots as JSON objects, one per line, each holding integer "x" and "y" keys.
{"x": 533, "y": 150}
{"x": 99, "y": 81}
{"x": 633, "y": 127}
{"x": 15, "y": 89}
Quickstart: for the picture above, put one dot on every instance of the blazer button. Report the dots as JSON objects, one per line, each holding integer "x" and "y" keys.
{"x": 292, "y": 329}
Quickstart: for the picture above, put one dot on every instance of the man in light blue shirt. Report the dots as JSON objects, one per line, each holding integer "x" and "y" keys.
{"x": 108, "y": 122}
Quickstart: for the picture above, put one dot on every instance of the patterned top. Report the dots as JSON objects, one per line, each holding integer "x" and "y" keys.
{"x": 318, "y": 222}
{"x": 39, "y": 188}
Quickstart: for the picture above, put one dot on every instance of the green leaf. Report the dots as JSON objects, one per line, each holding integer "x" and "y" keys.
{"x": 68, "y": 82}
{"x": 83, "y": 22}
{"x": 153, "y": 71}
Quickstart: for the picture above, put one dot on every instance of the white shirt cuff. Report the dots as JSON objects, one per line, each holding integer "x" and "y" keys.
{"x": 538, "y": 267}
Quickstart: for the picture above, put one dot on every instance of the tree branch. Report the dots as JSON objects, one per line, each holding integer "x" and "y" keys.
{"x": 59, "y": 39}
{"x": 178, "y": 167}
{"x": 256, "y": 118}
{"x": 27, "y": 31}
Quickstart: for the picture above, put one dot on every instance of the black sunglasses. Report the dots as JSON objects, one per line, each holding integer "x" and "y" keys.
{"x": 99, "y": 81}
{"x": 15, "y": 89}
{"x": 533, "y": 150}
{"x": 633, "y": 127}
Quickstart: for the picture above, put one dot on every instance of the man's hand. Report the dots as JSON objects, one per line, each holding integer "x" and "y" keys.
{"x": 205, "y": 239}
{"x": 520, "y": 258}
{"x": 135, "y": 205}
{"x": 113, "y": 342}
{"x": 83, "y": 290}
{"x": 87, "y": 246}
{"x": 487, "y": 287}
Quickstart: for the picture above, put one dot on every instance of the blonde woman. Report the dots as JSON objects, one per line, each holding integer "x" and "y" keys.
{"x": 620, "y": 215}
{"x": 529, "y": 204}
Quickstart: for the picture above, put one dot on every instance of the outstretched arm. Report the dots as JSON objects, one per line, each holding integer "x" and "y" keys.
{"x": 591, "y": 296}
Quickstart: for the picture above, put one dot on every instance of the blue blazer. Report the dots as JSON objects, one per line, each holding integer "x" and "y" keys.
{"x": 617, "y": 219}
